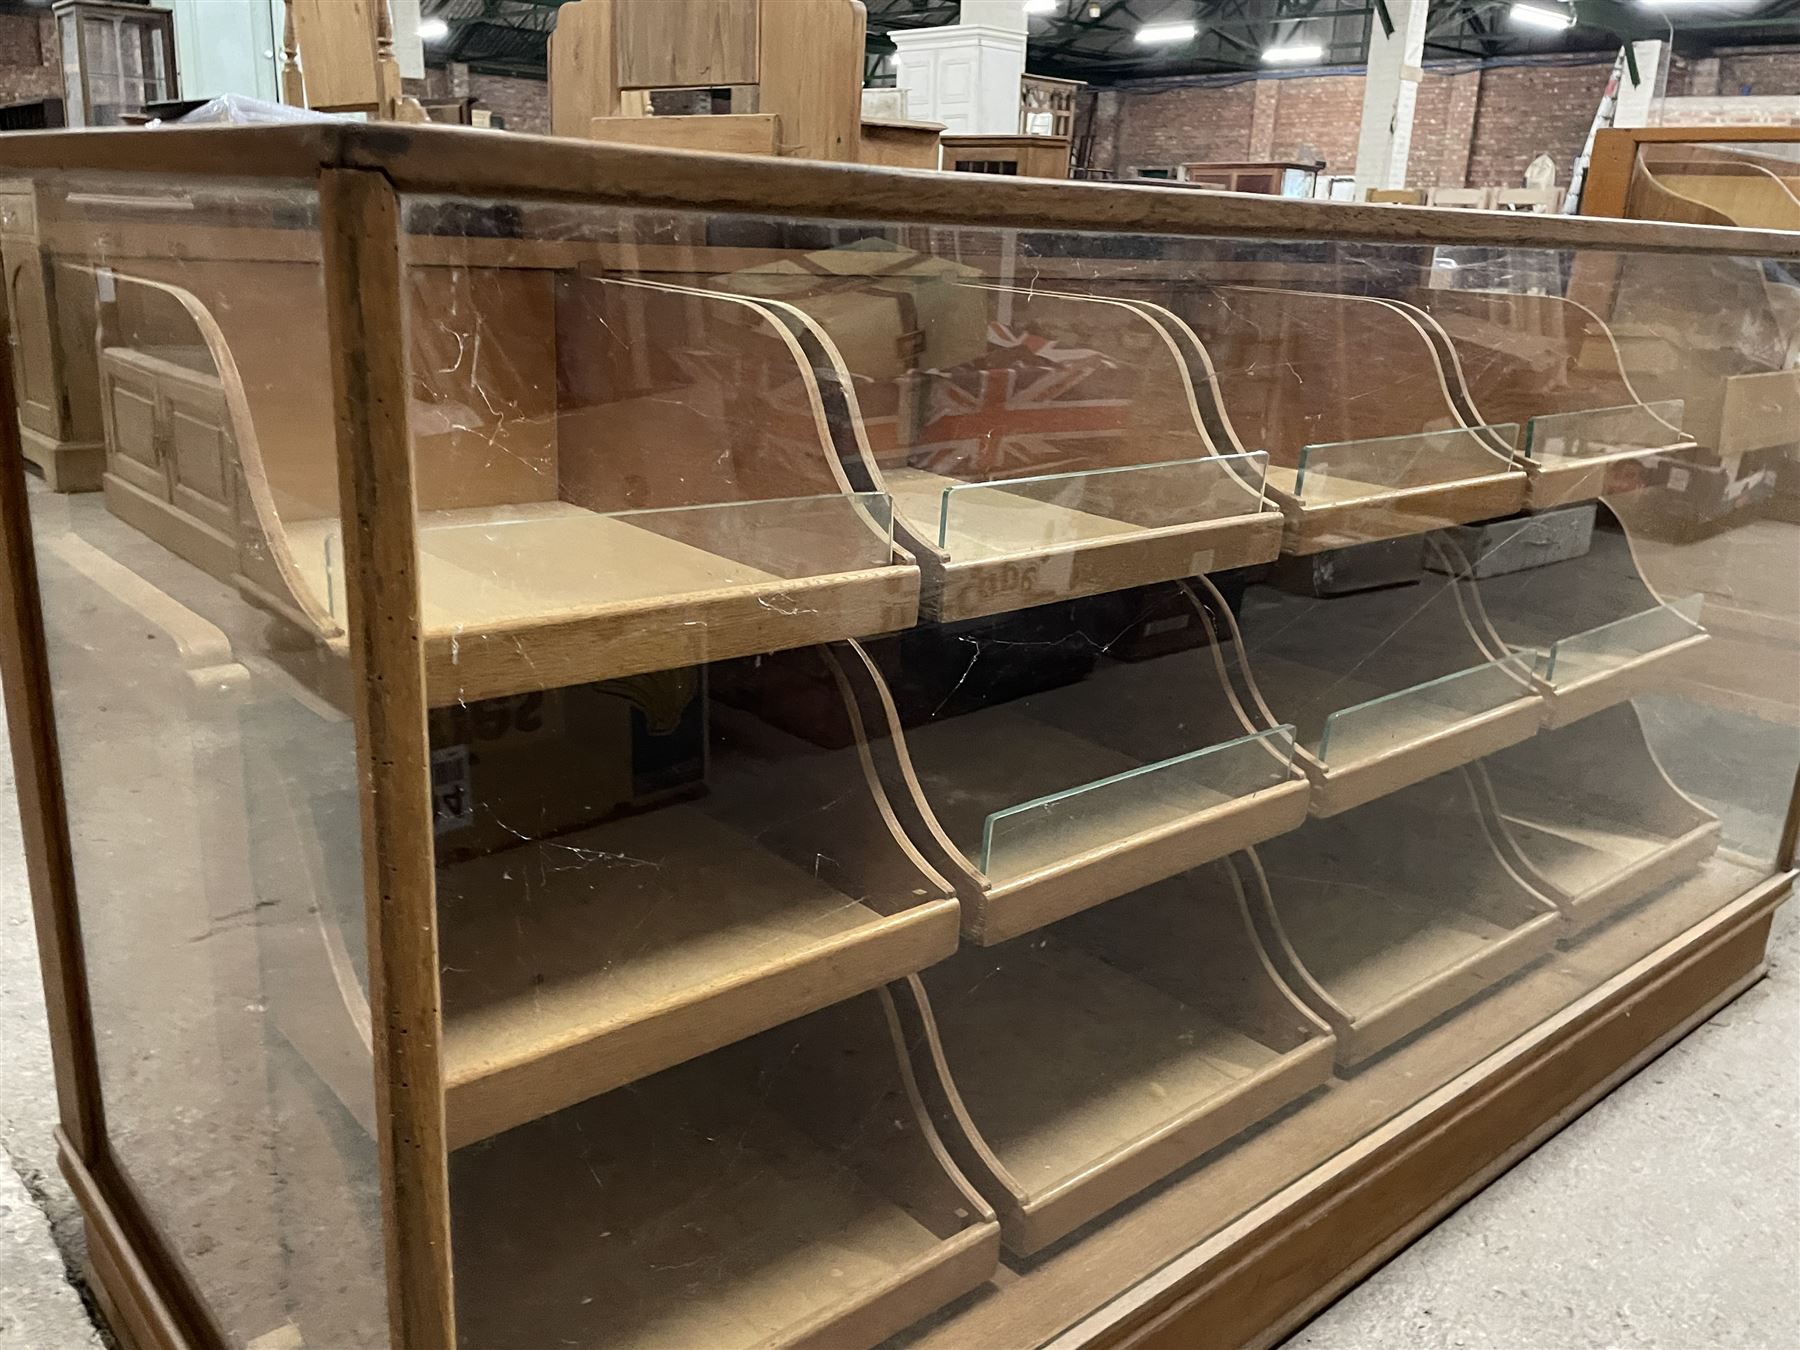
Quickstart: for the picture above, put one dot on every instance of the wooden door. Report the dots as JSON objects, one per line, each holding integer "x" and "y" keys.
{"x": 200, "y": 453}
{"x": 32, "y": 340}
{"x": 134, "y": 452}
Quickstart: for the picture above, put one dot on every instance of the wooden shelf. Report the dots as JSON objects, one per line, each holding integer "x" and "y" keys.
{"x": 1291, "y": 372}
{"x": 1062, "y": 426}
{"x": 1386, "y": 687}
{"x": 681, "y": 463}
{"x": 1072, "y": 1068}
{"x": 581, "y": 962}
{"x": 1591, "y": 817}
{"x": 1312, "y": 1146}
{"x": 783, "y": 1191}
{"x": 1593, "y": 629}
{"x": 1387, "y": 917}
{"x": 1551, "y": 367}
{"x": 1047, "y": 791}
{"x": 578, "y": 964}
{"x": 1718, "y": 185}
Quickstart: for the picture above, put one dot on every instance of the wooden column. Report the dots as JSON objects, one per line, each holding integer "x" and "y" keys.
{"x": 366, "y": 317}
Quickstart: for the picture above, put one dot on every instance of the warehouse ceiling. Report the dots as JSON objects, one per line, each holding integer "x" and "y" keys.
{"x": 1096, "y": 40}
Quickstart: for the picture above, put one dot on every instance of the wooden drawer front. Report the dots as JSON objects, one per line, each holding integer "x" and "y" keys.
{"x": 132, "y": 448}
{"x": 18, "y": 214}
{"x": 201, "y": 454}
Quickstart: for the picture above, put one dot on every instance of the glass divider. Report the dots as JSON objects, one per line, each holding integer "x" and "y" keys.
{"x": 1592, "y": 433}
{"x": 1407, "y": 715}
{"x": 1345, "y": 471}
{"x": 1584, "y": 655}
{"x": 1048, "y": 510}
{"x": 1039, "y": 833}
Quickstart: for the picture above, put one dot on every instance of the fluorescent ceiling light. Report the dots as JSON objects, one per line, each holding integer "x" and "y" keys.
{"x": 1542, "y": 16}
{"x": 1293, "y": 54}
{"x": 433, "y": 30}
{"x": 1167, "y": 32}
{"x": 1041, "y": 6}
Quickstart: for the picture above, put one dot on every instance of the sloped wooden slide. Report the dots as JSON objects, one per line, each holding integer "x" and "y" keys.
{"x": 1069, "y": 1069}
{"x": 1593, "y": 629}
{"x": 1052, "y": 762}
{"x": 1383, "y": 688}
{"x": 1348, "y": 397}
{"x": 1038, "y": 445}
{"x": 589, "y": 453}
{"x": 1385, "y": 918}
{"x": 785, "y": 1191}
{"x": 1590, "y": 816}
{"x": 1552, "y": 367}
{"x": 576, "y": 963}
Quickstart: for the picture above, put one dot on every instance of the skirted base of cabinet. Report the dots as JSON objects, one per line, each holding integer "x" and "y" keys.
{"x": 1272, "y": 1260}
{"x": 67, "y": 466}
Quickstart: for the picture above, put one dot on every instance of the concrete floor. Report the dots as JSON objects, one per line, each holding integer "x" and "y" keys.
{"x": 1665, "y": 1217}
{"x": 1668, "y": 1216}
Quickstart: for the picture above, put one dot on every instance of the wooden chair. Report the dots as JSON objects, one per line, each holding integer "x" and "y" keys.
{"x": 794, "y": 68}
{"x": 1474, "y": 199}
{"x": 1540, "y": 200}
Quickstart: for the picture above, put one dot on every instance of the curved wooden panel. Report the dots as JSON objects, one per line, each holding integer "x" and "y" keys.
{"x": 664, "y": 400}
{"x": 1594, "y": 629}
{"x": 1525, "y": 355}
{"x": 788, "y": 1190}
{"x": 1073, "y": 1068}
{"x": 1385, "y": 687}
{"x": 1400, "y": 911}
{"x": 1073, "y": 755}
{"x": 1591, "y": 816}
{"x": 1300, "y": 368}
{"x": 1736, "y": 188}
{"x": 1077, "y": 411}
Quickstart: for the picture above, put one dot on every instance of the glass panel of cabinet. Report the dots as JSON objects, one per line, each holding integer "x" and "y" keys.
{"x": 956, "y": 761}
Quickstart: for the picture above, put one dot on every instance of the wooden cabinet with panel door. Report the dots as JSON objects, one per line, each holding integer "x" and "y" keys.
{"x": 59, "y": 417}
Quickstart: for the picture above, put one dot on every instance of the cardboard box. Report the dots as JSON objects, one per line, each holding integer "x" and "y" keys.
{"x": 888, "y": 309}
{"x": 505, "y": 771}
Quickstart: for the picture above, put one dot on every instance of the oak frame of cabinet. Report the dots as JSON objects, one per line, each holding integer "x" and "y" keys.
{"x": 1248, "y": 1283}
{"x": 1607, "y": 189}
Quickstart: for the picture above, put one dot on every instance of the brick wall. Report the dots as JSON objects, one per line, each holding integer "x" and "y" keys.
{"x": 1525, "y": 111}
{"x": 28, "y": 65}
{"x": 1443, "y": 127}
{"x": 1317, "y": 119}
{"x": 1763, "y": 73}
{"x": 1188, "y": 122}
{"x": 1471, "y": 128}
{"x": 523, "y": 103}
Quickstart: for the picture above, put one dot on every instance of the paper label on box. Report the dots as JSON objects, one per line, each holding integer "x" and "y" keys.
{"x": 1678, "y": 480}
{"x": 452, "y": 800}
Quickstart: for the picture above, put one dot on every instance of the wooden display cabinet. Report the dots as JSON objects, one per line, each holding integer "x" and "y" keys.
{"x": 691, "y": 769}
{"x": 116, "y": 59}
{"x": 1729, "y": 175}
{"x": 1013, "y": 156}
{"x": 1273, "y": 178}
{"x": 1047, "y": 105}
